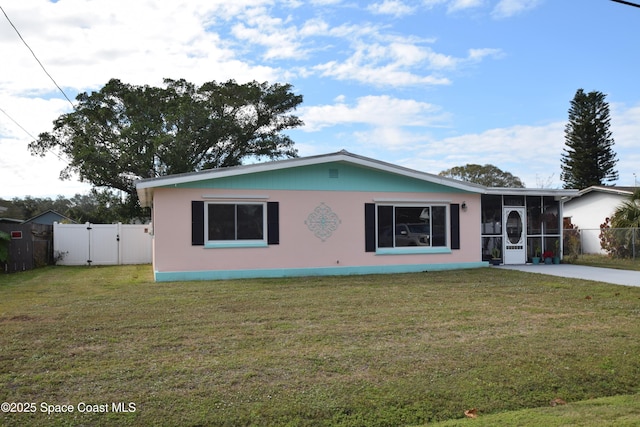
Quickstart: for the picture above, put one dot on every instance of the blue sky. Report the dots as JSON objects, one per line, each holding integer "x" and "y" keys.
{"x": 426, "y": 84}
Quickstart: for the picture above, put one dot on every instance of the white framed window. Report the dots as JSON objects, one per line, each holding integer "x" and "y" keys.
{"x": 412, "y": 226}
{"x": 235, "y": 224}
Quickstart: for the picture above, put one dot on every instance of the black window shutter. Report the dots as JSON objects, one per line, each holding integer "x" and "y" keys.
{"x": 273, "y": 223}
{"x": 197, "y": 223}
{"x": 455, "y": 226}
{"x": 369, "y": 227}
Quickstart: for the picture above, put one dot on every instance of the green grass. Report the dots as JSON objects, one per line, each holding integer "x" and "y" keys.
{"x": 618, "y": 411}
{"x": 606, "y": 261}
{"x": 382, "y": 350}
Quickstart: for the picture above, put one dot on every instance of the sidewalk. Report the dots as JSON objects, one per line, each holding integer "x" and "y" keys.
{"x": 607, "y": 275}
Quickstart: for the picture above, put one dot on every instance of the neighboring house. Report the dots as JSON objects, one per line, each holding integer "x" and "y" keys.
{"x": 49, "y": 217}
{"x": 338, "y": 213}
{"x": 589, "y": 210}
{"x": 10, "y": 221}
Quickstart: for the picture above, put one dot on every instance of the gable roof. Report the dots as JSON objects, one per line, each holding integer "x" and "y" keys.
{"x": 622, "y": 191}
{"x": 145, "y": 187}
{"x": 10, "y": 221}
{"x": 49, "y": 213}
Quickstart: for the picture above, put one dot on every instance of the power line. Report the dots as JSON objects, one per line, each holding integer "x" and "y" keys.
{"x": 29, "y": 133}
{"x": 36, "y": 58}
{"x": 18, "y": 124}
{"x": 628, "y": 3}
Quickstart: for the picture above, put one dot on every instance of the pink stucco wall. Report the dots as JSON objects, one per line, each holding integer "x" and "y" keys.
{"x": 299, "y": 247}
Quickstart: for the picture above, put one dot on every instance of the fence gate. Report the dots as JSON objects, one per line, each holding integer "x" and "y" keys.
{"x": 101, "y": 244}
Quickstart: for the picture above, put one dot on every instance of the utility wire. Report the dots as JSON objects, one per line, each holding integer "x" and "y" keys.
{"x": 628, "y": 3}
{"x": 28, "y": 133}
{"x": 18, "y": 124}
{"x": 36, "y": 58}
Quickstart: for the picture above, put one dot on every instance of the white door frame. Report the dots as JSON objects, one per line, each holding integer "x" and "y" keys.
{"x": 514, "y": 235}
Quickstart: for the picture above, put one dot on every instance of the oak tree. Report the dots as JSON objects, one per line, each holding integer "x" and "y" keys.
{"x": 124, "y": 132}
{"x": 487, "y": 175}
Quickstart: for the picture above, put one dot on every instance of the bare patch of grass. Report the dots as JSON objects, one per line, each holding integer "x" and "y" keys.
{"x": 351, "y": 351}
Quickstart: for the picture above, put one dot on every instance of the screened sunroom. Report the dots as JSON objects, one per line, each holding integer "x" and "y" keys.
{"x": 520, "y": 224}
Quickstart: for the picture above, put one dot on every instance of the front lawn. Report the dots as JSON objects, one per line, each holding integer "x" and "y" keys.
{"x": 383, "y": 350}
{"x": 605, "y": 261}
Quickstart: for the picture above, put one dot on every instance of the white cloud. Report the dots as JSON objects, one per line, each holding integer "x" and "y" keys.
{"x": 387, "y": 64}
{"x": 376, "y": 111}
{"x": 509, "y": 8}
{"x": 386, "y": 75}
{"x": 281, "y": 39}
{"x": 476, "y": 55}
{"x": 456, "y": 5}
{"x": 391, "y": 7}
{"x": 531, "y": 153}
{"x": 625, "y": 129}
{"x": 83, "y": 44}
{"x": 625, "y": 126}
{"x": 393, "y": 64}
{"x": 33, "y": 176}
{"x": 503, "y": 8}
{"x": 391, "y": 139}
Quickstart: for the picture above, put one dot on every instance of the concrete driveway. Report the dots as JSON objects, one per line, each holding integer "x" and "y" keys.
{"x": 607, "y": 275}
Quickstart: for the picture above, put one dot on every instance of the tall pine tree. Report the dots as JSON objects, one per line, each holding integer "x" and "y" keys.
{"x": 588, "y": 157}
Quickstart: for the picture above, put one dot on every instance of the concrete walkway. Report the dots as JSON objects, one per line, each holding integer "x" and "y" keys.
{"x": 607, "y": 275}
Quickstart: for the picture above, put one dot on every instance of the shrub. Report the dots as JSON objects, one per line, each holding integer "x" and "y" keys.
{"x": 618, "y": 242}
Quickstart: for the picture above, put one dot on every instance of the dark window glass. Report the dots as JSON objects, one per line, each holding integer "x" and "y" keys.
{"x": 491, "y": 214}
{"x": 534, "y": 215}
{"x": 222, "y": 222}
{"x": 550, "y": 215}
{"x": 235, "y": 222}
{"x": 514, "y": 200}
{"x": 249, "y": 222}
{"x": 413, "y": 226}
{"x": 403, "y": 226}
{"x": 514, "y": 228}
{"x": 489, "y": 245}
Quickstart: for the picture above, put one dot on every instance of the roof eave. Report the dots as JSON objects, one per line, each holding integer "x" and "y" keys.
{"x": 603, "y": 189}
{"x": 145, "y": 187}
{"x": 555, "y": 192}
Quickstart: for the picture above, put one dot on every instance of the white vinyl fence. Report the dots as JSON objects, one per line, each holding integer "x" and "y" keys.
{"x": 101, "y": 244}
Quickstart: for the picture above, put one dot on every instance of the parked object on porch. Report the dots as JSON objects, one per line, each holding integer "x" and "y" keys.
{"x": 536, "y": 258}
{"x": 556, "y": 255}
{"x": 495, "y": 257}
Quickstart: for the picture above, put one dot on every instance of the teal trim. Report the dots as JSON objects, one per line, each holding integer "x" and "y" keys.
{"x": 178, "y": 276}
{"x": 333, "y": 176}
{"x": 236, "y": 244}
{"x": 412, "y": 250}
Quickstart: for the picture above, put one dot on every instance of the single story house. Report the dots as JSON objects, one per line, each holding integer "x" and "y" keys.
{"x": 49, "y": 217}
{"x": 589, "y": 210}
{"x": 10, "y": 221}
{"x": 339, "y": 213}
